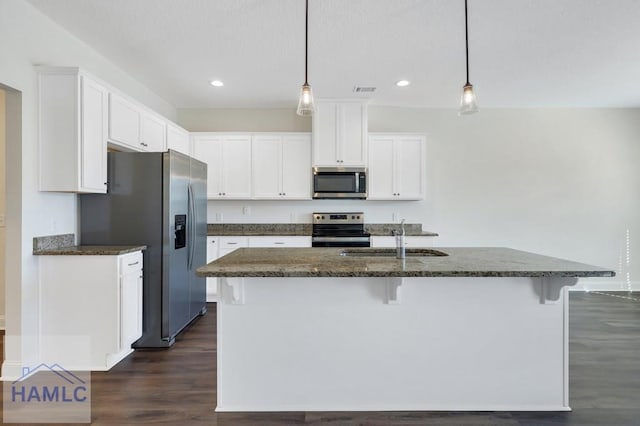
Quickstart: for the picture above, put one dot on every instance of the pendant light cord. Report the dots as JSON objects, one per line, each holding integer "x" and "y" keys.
{"x": 306, "y": 42}
{"x": 466, "y": 37}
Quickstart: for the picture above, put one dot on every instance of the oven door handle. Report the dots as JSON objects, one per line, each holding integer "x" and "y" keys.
{"x": 340, "y": 239}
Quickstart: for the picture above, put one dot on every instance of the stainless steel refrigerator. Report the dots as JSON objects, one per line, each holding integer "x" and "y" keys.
{"x": 158, "y": 199}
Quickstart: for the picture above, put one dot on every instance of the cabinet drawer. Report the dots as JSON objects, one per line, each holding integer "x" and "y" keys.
{"x": 232, "y": 243}
{"x": 130, "y": 263}
{"x": 280, "y": 241}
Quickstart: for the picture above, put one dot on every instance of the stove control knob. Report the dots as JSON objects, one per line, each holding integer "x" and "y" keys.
{"x": 323, "y": 216}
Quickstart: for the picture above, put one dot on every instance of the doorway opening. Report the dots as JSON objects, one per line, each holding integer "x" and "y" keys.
{"x": 10, "y": 219}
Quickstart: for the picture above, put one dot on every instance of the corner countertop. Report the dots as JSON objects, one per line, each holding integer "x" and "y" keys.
{"x": 305, "y": 229}
{"x": 88, "y": 250}
{"x": 460, "y": 262}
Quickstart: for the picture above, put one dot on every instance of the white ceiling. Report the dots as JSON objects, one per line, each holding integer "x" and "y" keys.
{"x": 523, "y": 53}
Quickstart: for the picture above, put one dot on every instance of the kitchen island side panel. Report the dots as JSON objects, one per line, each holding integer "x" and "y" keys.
{"x": 325, "y": 344}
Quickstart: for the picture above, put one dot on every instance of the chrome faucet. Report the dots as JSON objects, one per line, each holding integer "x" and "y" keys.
{"x": 400, "y": 250}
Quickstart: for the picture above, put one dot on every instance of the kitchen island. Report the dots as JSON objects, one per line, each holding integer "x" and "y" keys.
{"x": 327, "y": 329}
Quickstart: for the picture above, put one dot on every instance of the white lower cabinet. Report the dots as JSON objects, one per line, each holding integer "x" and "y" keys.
{"x": 130, "y": 299}
{"x": 228, "y": 244}
{"x": 212, "y": 283}
{"x": 216, "y": 248}
{"x": 409, "y": 241}
{"x": 220, "y": 246}
{"x": 280, "y": 241}
{"x": 94, "y": 299}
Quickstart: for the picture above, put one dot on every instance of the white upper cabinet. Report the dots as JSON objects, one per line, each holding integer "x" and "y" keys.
{"x": 153, "y": 132}
{"x": 281, "y": 166}
{"x": 72, "y": 131}
{"x": 397, "y": 167}
{"x": 93, "y": 133}
{"x": 228, "y": 157}
{"x": 296, "y": 166}
{"x": 79, "y": 116}
{"x": 124, "y": 122}
{"x": 267, "y": 166}
{"x": 340, "y": 133}
{"x": 134, "y": 127}
{"x": 178, "y": 139}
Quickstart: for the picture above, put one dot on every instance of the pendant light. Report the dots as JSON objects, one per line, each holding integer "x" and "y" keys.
{"x": 305, "y": 104}
{"x": 468, "y": 103}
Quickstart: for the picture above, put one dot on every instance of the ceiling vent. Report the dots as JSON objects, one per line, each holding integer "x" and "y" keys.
{"x": 363, "y": 89}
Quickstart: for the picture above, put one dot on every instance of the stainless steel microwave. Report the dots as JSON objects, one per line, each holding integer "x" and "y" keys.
{"x": 339, "y": 182}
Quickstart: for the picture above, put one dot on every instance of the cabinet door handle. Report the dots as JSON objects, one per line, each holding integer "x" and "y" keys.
{"x": 134, "y": 263}
{"x": 232, "y": 243}
{"x": 279, "y": 242}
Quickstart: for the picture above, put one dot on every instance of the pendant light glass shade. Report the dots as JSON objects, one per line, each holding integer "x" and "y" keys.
{"x": 468, "y": 103}
{"x": 306, "y": 106}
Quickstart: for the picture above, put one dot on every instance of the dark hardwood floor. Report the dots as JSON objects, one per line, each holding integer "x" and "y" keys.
{"x": 178, "y": 386}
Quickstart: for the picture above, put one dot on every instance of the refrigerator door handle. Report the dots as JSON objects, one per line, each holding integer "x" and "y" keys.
{"x": 192, "y": 228}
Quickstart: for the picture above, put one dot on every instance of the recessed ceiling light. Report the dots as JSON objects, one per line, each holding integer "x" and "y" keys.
{"x": 216, "y": 83}
{"x": 403, "y": 83}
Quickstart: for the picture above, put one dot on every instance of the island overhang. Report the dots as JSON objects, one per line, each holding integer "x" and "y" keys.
{"x": 459, "y": 262}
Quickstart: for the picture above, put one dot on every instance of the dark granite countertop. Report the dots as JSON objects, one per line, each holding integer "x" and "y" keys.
{"x": 304, "y": 229}
{"x": 259, "y": 229}
{"x": 460, "y": 262}
{"x": 88, "y": 250}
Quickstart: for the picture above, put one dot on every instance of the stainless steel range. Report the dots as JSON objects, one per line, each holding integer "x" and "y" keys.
{"x": 339, "y": 230}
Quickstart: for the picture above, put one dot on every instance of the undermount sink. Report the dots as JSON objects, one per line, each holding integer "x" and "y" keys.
{"x": 390, "y": 252}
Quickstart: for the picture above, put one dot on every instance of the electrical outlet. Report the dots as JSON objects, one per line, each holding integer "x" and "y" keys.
{"x": 293, "y": 218}
{"x": 218, "y": 217}
{"x": 246, "y": 210}
{"x": 394, "y": 217}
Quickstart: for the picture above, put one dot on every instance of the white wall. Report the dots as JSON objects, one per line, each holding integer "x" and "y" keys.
{"x": 562, "y": 182}
{"x": 247, "y": 119}
{"x": 2, "y": 202}
{"x": 28, "y": 38}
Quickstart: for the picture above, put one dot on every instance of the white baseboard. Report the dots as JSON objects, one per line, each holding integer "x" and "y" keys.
{"x": 2, "y": 322}
{"x": 603, "y": 285}
{"x": 212, "y": 297}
